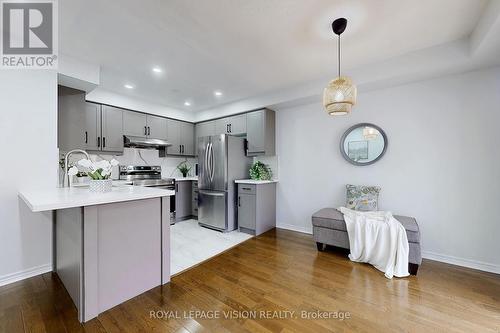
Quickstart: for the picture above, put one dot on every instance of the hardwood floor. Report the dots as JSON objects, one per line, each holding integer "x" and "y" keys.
{"x": 278, "y": 271}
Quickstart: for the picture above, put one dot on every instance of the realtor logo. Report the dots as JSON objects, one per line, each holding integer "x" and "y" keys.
{"x": 29, "y": 34}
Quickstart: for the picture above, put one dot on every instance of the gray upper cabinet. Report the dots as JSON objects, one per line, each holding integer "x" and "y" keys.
{"x": 78, "y": 121}
{"x": 156, "y": 127}
{"x": 187, "y": 138}
{"x": 112, "y": 129}
{"x": 203, "y": 129}
{"x": 261, "y": 133}
{"x": 174, "y": 137}
{"x": 235, "y": 125}
{"x": 88, "y": 126}
{"x": 181, "y": 135}
{"x": 143, "y": 125}
{"x": 134, "y": 123}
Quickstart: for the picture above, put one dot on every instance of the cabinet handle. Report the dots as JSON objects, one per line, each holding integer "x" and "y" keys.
{"x": 246, "y": 188}
{"x": 103, "y": 142}
{"x": 183, "y": 149}
{"x": 230, "y": 128}
{"x": 145, "y": 130}
{"x": 239, "y": 201}
{"x": 98, "y": 142}
{"x": 227, "y": 128}
{"x": 86, "y": 137}
{"x": 149, "y": 130}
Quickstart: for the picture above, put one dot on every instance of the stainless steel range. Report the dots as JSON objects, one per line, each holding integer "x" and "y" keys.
{"x": 149, "y": 176}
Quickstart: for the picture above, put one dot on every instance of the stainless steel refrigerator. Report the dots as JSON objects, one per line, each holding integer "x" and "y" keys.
{"x": 221, "y": 160}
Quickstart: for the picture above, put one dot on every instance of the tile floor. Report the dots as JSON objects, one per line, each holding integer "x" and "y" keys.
{"x": 192, "y": 244}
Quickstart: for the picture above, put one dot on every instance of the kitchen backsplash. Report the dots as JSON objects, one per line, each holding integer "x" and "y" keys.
{"x": 134, "y": 156}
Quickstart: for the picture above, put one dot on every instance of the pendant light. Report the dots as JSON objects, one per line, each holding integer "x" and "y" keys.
{"x": 370, "y": 133}
{"x": 340, "y": 94}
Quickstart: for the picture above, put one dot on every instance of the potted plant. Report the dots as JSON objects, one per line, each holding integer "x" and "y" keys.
{"x": 184, "y": 168}
{"x": 260, "y": 171}
{"x": 99, "y": 173}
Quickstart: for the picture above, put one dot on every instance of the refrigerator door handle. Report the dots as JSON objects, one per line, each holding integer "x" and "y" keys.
{"x": 212, "y": 170}
{"x": 205, "y": 162}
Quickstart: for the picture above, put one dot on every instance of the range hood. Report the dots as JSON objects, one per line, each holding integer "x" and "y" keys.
{"x": 142, "y": 142}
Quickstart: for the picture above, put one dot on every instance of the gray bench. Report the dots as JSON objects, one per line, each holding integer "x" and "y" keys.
{"x": 329, "y": 228}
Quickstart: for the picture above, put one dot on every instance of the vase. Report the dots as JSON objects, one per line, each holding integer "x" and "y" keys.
{"x": 101, "y": 185}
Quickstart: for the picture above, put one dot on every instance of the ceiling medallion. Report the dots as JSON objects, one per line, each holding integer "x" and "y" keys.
{"x": 340, "y": 94}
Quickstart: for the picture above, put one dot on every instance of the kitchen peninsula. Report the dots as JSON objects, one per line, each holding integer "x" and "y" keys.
{"x": 108, "y": 247}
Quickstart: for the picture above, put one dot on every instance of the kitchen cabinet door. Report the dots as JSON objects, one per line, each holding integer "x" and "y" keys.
{"x": 78, "y": 121}
{"x": 134, "y": 123}
{"x": 183, "y": 200}
{"x": 205, "y": 129}
{"x": 112, "y": 129}
{"x": 261, "y": 133}
{"x": 174, "y": 136}
{"x": 92, "y": 126}
{"x": 238, "y": 124}
{"x": 187, "y": 139}
{"x": 222, "y": 126}
{"x": 157, "y": 127}
{"x": 246, "y": 211}
{"x": 201, "y": 130}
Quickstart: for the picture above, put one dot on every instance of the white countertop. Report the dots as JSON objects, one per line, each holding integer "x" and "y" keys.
{"x": 39, "y": 200}
{"x": 255, "y": 182}
{"x": 184, "y": 179}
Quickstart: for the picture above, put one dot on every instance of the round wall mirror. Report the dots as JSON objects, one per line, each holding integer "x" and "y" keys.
{"x": 363, "y": 144}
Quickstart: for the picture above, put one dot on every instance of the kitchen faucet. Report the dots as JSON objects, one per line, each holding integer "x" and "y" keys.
{"x": 66, "y": 157}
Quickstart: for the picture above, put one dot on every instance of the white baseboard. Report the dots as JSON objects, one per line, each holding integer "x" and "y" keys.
{"x": 479, "y": 265}
{"x": 304, "y": 230}
{"x": 21, "y": 275}
{"x": 475, "y": 264}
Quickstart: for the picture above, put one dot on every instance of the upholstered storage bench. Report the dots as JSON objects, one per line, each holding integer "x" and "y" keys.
{"x": 329, "y": 228}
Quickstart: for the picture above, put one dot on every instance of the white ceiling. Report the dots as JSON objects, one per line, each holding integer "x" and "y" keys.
{"x": 246, "y": 48}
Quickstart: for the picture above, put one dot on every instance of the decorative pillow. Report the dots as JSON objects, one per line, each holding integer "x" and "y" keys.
{"x": 363, "y": 198}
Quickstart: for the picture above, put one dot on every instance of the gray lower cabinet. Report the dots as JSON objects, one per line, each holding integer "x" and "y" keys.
{"x": 194, "y": 196}
{"x": 183, "y": 200}
{"x": 261, "y": 133}
{"x": 256, "y": 208}
{"x": 181, "y": 135}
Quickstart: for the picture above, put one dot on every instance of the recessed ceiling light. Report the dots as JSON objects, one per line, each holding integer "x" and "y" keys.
{"x": 157, "y": 70}
{"x": 129, "y": 86}
{"x": 218, "y": 93}
{"x": 186, "y": 103}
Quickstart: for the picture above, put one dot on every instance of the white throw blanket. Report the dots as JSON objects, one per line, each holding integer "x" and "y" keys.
{"x": 379, "y": 239}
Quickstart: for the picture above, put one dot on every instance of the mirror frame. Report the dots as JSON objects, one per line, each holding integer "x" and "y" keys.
{"x": 349, "y": 130}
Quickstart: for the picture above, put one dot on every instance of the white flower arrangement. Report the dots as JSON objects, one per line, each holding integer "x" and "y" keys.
{"x": 95, "y": 170}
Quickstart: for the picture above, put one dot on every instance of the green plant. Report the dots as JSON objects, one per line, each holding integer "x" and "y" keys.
{"x": 184, "y": 168}
{"x": 260, "y": 171}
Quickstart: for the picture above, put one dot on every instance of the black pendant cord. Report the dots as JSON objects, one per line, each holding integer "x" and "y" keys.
{"x": 339, "y": 54}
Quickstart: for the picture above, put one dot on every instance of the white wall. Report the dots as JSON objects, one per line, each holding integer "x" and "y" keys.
{"x": 442, "y": 165}
{"x": 28, "y": 120}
